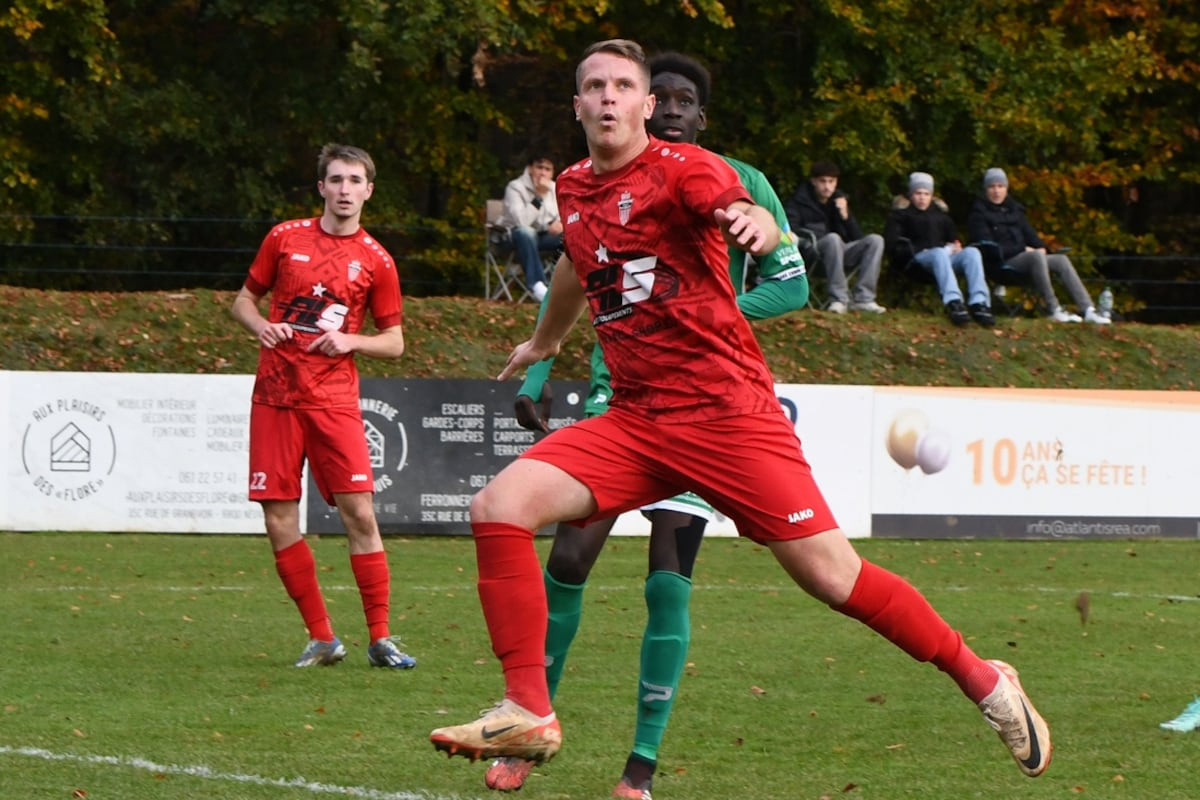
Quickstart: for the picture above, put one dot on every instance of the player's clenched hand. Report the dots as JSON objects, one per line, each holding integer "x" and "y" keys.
{"x": 331, "y": 343}
{"x": 739, "y": 229}
{"x": 533, "y": 417}
{"x": 274, "y": 333}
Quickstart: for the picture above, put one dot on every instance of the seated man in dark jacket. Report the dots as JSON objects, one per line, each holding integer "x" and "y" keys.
{"x": 999, "y": 218}
{"x": 819, "y": 206}
{"x": 930, "y": 231}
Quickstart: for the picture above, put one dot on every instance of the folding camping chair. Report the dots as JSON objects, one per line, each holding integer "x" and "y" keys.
{"x": 503, "y": 275}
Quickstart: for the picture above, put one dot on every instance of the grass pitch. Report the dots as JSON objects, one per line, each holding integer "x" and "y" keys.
{"x": 140, "y": 666}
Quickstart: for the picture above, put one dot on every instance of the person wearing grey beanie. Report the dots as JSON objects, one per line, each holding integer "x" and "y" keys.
{"x": 996, "y": 217}
{"x": 920, "y": 180}
{"x": 993, "y": 176}
{"x": 926, "y": 228}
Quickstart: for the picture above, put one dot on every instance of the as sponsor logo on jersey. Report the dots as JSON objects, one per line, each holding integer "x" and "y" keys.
{"x": 323, "y": 311}
{"x": 359, "y": 477}
{"x": 619, "y": 286}
{"x": 637, "y": 283}
{"x": 573, "y": 217}
{"x": 301, "y": 257}
{"x": 625, "y": 207}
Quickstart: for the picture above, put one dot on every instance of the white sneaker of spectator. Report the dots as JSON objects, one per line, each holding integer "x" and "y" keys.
{"x": 1060, "y": 314}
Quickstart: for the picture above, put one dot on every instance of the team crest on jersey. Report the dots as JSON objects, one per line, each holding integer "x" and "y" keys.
{"x": 352, "y": 270}
{"x": 625, "y": 207}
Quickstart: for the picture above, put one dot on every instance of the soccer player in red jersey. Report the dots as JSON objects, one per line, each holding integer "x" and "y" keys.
{"x": 693, "y": 408}
{"x": 323, "y": 275}
{"x": 681, "y": 87}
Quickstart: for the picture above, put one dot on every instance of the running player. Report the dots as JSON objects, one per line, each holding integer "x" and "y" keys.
{"x": 681, "y": 86}
{"x": 694, "y": 408}
{"x": 324, "y": 274}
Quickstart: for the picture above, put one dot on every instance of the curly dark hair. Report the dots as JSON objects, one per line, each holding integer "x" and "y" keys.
{"x": 686, "y": 66}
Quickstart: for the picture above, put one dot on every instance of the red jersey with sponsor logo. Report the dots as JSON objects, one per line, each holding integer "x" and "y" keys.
{"x": 655, "y": 269}
{"x": 319, "y": 282}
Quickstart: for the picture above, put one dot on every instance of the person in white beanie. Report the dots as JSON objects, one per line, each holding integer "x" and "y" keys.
{"x": 997, "y": 217}
{"x": 934, "y": 239}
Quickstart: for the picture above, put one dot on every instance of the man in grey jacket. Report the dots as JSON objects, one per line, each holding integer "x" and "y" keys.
{"x": 531, "y": 216}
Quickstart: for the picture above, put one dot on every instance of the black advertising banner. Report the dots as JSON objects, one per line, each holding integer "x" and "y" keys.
{"x": 434, "y": 444}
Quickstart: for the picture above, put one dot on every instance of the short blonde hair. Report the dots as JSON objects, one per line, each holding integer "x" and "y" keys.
{"x": 623, "y": 48}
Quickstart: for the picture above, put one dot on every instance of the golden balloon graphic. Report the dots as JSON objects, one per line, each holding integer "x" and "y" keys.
{"x": 912, "y": 443}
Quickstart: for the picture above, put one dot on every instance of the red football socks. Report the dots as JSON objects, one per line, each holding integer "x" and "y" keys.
{"x": 514, "y": 606}
{"x": 298, "y": 571}
{"x": 890, "y": 606}
{"x": 374, "y": 587}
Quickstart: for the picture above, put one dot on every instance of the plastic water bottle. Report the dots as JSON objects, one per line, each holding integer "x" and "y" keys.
{"x": 1106, "y": 303}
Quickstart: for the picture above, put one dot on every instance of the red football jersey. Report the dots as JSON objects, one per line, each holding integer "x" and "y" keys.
{"x": 319, "y": 282}
{"x": 647, "y": 250}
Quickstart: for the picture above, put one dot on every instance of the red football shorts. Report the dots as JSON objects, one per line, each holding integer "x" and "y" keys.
{"x": 751, "y": 468}
{"x": 331, "y": 439}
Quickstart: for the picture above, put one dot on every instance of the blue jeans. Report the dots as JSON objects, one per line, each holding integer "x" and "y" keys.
{"x": 966, "y": 262}
{"x": 529, "y": 246}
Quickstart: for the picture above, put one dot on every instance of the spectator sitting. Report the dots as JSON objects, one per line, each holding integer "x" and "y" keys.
{"x": 999, "y": 218}
{"x": 937, "y": 249}
{"x": 821, "y": 208}
{"x": 531, "y": 216}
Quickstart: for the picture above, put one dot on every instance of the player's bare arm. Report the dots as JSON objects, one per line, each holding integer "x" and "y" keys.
{"x": 564, "y": 305}
{"x": 388, "y": 343}
{"x": 245, "y": 310}
{"x": 749, "y": 227}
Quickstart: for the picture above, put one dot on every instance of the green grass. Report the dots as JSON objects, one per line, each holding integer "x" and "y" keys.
{"x": 467, "y": 337}
{"x": 142, "y": 666}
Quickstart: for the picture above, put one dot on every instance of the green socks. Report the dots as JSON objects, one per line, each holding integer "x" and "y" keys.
{"x": 664, "y": 649}
{"x": 565, "y": 604}
{"x": 664, "y": 652}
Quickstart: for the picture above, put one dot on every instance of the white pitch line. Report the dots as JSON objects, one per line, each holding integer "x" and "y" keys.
{"x": 207, "y": 773}
{"x": 700, "y": 587}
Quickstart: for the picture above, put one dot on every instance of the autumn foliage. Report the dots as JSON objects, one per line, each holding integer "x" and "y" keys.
{"x": 160, "y": 111}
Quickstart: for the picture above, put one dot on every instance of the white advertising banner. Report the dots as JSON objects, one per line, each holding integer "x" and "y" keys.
{"x": 1021, "y": 463}
{"x": 167, "y": 453}
{"x": 126, "y": 452}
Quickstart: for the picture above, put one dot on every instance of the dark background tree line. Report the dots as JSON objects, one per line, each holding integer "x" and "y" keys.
{"x": 154, "y": 142}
